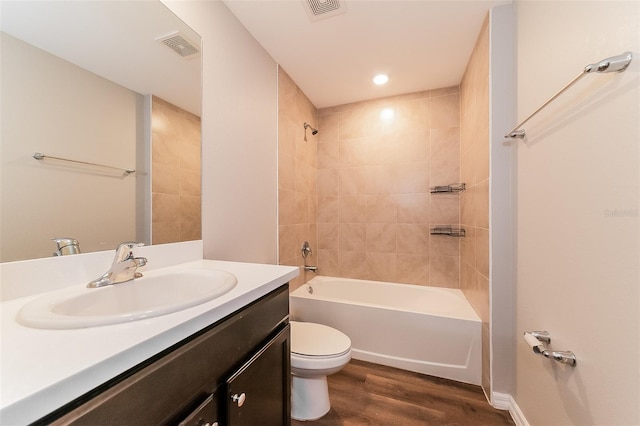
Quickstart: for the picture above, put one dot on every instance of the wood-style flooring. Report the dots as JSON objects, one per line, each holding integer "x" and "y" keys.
{"x": 369, "y": 394}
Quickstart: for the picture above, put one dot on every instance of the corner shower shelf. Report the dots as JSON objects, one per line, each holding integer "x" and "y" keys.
{"x": 452, "y": 188}
{"x": 448, "y": 231}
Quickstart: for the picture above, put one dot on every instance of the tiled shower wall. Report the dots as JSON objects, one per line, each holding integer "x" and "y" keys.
{"x": 297, "y": 176}
{"x": 376, "y": 162}
{"x": 474, "y": 202}
{"x": 175, "y": 179}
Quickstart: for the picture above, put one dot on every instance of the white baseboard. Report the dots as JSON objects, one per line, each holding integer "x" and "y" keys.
{"x": 504, "y": 401}
{"x": 500, "y": 401}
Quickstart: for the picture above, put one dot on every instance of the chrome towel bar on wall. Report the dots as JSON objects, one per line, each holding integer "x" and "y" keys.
{"x": 41, "y": 156}
{"x": 617, "y": 63}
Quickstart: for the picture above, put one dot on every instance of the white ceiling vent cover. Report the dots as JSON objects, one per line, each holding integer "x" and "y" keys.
{"x": 323, "y": 9}
{"x": 180, "y": 44}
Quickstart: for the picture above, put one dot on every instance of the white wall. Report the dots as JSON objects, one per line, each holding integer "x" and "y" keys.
{"x": 72, "y": 113}
{"x": 239, "y": 136}
{"x": 578, "y": 213}
{"x": 502, "y": 200}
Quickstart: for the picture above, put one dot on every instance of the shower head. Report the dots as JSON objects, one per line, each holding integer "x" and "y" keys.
{"x": 313, "y": 131}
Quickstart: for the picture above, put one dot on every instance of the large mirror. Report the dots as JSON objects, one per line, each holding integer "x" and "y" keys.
{"x": 110, "y": 85}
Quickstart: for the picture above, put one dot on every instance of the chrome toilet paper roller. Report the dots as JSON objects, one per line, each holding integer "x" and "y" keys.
{"x": 537, "y": 340}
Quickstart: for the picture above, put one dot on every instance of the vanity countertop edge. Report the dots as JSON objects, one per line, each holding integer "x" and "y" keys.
{"x": 41, "y": 370}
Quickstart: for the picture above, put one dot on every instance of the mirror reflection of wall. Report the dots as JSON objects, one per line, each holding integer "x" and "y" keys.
{"x": 175, "y": 182}
{"x": 78, "y": 82}
{"x": 72, "y": 113}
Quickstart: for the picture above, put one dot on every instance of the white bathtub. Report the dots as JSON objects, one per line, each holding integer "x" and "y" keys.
{"x": 428, "y": 330}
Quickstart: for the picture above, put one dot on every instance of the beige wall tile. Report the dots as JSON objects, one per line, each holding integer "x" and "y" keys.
{"x": 166, "y": 208}
{"x": 328, "y": 234}
{"x": 381, "y": 209}
{"x": 352, "y": 181}
{"x": 410, "y": 146}
{"x": 190, "y": 182}
{"x": 445, "y": 209}
{"x": 287, "y": 242}
{"x": 352, "y": 209}
{"x": 481, "y": 201}
{"x": 301, "y": 212}
{"x": 445, "y": 156}
{"x": 330, "y": 128}
{"x": 328, "y": 182}
{"x": 413, "y": 238}
{"x": 176, "y": 167}
{"x": 382, "y": 199}
{"x": 440, "y": 245}
{"x": 413, "y": 178}
{"x": 328, "y": 209}
{"x": 381, "y": 237}
{"x": 286, "y": 207}
{"x": 353, "y": 264}
{"x": 352, "y": 236}
{"x": 415, "y": 114}
{"x": 328, "y": 263}
{"x": 189, "y": 156}
{"x": 382, "y": 266}
{"x": 329, "y": 155}
{"x": 445, "y": 111}
{"x": 165, "y": 179}
{"x": 413, "y": 269}
{"x": 482, "y": 251}
{"x": 299, "y": 180}
{"x": 468, "y": 246}
{"x": 166, "y": 232}
{"x": 381, "y": 179}
{"x": 285, "y": 171}
{"x": 190, "y": 207}
{"x": 444, "y": 271}
{"x": 164, "y": 150}
{"x": 413, "y": 208}
{"x": 352, "y": 152}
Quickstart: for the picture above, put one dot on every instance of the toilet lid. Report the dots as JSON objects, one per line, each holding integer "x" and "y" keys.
{"x": 313, "y": 339}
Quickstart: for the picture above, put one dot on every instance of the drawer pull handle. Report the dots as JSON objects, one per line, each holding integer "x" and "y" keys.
{"x": 239, "y": 399}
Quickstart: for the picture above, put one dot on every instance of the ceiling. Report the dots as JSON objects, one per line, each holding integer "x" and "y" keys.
{"x": 419, "y": 44}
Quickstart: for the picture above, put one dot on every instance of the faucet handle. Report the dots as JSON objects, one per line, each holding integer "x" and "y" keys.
{"x": 129, "y": 245}
{"x": 125, "y": 250}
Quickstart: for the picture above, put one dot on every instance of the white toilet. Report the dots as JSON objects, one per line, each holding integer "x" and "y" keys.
{"x": 316, "y": 351}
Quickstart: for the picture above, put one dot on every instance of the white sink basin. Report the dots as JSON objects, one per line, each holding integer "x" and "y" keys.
{"x": 149, "y": 296}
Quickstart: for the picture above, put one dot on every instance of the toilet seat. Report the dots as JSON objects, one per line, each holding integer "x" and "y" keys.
{"x": 313, "y": 341}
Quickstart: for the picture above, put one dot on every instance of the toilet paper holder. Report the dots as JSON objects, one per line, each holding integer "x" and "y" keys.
{"x": 537, "y": 339}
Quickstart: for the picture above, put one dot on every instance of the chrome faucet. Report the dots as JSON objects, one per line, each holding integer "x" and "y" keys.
{"x": 66, "y": 246}
{"x": 123, "y": 267}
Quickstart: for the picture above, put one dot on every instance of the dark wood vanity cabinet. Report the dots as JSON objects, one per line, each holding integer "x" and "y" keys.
{"x": 235, "y": 372}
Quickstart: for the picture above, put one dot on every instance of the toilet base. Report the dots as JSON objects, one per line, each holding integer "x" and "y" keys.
{"x": 309, "y": 397}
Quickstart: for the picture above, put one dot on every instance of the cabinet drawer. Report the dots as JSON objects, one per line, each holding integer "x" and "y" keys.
{"x": 205, "y": 415}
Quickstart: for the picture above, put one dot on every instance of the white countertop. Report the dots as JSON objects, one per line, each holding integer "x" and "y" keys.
{"x": 42, "y": 370}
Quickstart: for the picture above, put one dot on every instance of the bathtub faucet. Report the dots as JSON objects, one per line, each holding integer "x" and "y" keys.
{"x": 311, "y": 268}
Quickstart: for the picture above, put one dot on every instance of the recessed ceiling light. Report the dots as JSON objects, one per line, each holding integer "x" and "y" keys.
{"x": 380, "y": 79}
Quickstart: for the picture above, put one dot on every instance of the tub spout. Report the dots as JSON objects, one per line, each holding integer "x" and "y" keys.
{"x": 311, "y": 268}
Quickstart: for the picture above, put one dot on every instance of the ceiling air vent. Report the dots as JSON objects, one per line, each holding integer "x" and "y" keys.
{"x": 180, "y": 44}
{"x": 323, "y": 9}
